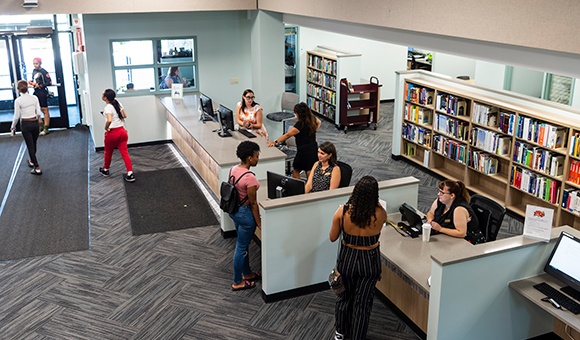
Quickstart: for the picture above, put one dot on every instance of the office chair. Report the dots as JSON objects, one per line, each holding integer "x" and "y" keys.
{"x": 490, "y": 215}
{"x": 289, "y": 99}
{"x": 345, "y": 174}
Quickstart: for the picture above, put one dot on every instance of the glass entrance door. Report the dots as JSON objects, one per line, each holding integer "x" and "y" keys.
{"x": 20, "y": 52}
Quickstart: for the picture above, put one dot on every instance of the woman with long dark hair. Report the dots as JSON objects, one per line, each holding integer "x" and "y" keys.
{"x": 305, "y": 133}
{"x": 360, "y": 221}
{"x": 115, "y": 136}
{"x": 325, "y": 174}
{"x": 249, "y": 114}
{"x": 27, "y": 109}
{"x": 451, "y": 213}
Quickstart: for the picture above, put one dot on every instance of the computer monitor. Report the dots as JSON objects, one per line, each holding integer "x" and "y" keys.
{"x": 226, "y": 119}
{"x": 563, "y": 264}
{"x": 283, "y": 186}
{"x": 206, "y": 107}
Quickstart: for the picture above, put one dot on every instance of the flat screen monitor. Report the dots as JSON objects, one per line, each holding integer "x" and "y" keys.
{"x": 283, "y": 186}
{"x": 563, "y": 264}
{"x": 206, "y": 107}
{"x": 226, "y": 120}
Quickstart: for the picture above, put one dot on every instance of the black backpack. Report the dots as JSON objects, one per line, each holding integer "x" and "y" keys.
{"x": 230, "y": 200}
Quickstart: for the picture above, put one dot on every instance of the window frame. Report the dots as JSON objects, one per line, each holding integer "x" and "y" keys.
{"x": 156, "y": 66}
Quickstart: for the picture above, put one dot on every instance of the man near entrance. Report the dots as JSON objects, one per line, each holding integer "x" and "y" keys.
{"x": 41, "y": 80}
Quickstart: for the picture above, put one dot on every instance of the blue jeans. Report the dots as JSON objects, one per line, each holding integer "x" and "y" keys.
{"x": 245, "y": 227}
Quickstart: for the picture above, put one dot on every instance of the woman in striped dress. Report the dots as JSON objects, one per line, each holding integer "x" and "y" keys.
{"x": 360, "y": 221}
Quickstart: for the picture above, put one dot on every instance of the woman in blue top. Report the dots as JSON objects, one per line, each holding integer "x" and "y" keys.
{"x": 360, "y": 221}
{"x": 173, "y": 78}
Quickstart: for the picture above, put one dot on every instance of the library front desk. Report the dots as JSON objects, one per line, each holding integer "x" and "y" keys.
{"x": 211, "y": 155}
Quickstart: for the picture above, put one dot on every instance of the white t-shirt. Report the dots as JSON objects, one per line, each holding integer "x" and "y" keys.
{"x": 25, "y": 106}
{"x": 116, "y": 121}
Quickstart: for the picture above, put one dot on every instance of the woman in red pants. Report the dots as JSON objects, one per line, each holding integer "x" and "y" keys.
{"x": 115, "y": 135}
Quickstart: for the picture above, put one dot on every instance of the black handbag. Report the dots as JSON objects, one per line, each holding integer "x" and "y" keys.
{"x": 335, "y": 278}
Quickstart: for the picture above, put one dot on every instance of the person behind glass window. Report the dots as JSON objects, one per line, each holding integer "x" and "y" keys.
{"x": 173, "y": 78}
{"x": 27, "y": 110}
{"x": 360, "y": 221}
{"x": 41, "y": 81}
{"x": 325, "y": 174}
{"x": 451, "y": 213}
{"x": 304, "y": 131}
{"x": 249, "y": 114}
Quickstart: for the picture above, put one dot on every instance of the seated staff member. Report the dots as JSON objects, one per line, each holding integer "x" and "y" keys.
{"x": 305, "y": 133}
{"x": 451, "y": 213}
{"x": 325, "y": 174}
{"x": 250, "y": 115}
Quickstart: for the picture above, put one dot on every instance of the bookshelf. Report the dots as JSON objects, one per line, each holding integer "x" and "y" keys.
{"x": 324, "y": 68}
{"x": 514, "y": 154}
{"x": 359, "y": 104}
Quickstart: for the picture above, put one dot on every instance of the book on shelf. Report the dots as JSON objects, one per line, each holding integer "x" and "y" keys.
{"x": 426, "y": 157}
{"x": 350, "y": 88}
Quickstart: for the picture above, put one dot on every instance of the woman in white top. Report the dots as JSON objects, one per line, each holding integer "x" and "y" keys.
{"x": 27, "y": 110}
{"x": 115, "y": 135}
{"x": 250, "y": 115}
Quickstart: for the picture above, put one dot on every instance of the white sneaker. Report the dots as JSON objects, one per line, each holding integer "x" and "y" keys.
{"x": 42, "y": 133}
{"x": 338, "y": 336}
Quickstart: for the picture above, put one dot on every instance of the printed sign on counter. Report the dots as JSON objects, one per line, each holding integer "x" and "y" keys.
{"x": 538, "y": 223}
{"x": 176, "y": 91}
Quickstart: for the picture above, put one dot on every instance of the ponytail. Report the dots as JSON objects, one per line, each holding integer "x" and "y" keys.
{"x": 456, "y": 187}
{"x": 110, "y": 95}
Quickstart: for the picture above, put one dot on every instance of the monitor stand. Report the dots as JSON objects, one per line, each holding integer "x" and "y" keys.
{"x": 224, "y": 133}
{"x": 572, "y": 292}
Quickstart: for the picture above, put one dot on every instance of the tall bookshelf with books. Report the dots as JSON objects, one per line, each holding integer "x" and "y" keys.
{"x": 511, "y": 153}
{"x": 324, "y": 68}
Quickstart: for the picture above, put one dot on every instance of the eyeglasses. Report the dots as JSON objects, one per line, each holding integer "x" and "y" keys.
{"x": 441, "y": 192}
{"x": 252, "y": 97}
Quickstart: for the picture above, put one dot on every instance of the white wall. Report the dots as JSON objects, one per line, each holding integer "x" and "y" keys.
{"x": 528, "y": 82}
{"x": 453, "y": 65}
{"x": 576, "y": 94}
{"x": 223, "y": 53}
{"x": 489, "y": 74}
{"x": 379, "y": 59}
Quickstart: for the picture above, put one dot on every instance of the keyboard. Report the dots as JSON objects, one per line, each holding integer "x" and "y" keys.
{"x": 564, "y": 301}
{"x": 247, "y": 133}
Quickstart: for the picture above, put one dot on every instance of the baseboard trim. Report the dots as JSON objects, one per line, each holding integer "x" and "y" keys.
{"x": 401, "y": 315}
{"x": 384, "y": 101}
{"x": 229, "y": 233}
{"x": 397, "y": 157}
{"x": 135, "y": 145}
{"x": 315, "y": 288}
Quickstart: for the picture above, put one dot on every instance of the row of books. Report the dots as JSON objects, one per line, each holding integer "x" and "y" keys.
{"x": 539, "y": 159}
{"x": 321, "y": 107}
{"x": 490, "y": 141}
{"x": 452, "y": 127}
{"x": 321, "y": 93}
{"x": 506, "y": 122}
{"x": 417, "y": 134}
{"x": 575, "y": 146}
{"x": 315, "y": 61}
{"x": 314, "y": 76}
{"x": 453, "y": 105}
{"x": 450, "y": 148}
{"x": 540, "y": 186}
{"x": 418, "y": 94}
{"x": 484, "y": 114}
{"x": 329, "y": 81}
{"x": 330, "y": 66}
{"x": 417, "y": 114}
{"x": 574, "y": 174}
{"x": 482, "y": 162}
{"x": 571, "y": 200}
{"x": 545, "y": 134}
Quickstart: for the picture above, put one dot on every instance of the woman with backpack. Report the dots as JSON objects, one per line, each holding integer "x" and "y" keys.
{"x": 248, "y": 215}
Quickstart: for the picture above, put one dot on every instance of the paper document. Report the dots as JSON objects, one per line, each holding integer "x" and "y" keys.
{"x": 538, "y": 223}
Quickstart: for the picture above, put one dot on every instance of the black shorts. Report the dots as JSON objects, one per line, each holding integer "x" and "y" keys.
{"x": 42, "y": 97}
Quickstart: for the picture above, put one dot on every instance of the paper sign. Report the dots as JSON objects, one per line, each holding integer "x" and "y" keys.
{"x": 177, "y": 91}
{"x": 538, "y": 223}
{"x": 383, "y": 204}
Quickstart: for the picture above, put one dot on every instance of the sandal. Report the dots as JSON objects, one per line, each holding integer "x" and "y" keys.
{"x": 257, "y": 277}
{"x": 247, "y": 285}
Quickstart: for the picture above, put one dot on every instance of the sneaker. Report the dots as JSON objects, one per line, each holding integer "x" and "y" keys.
{"x": 46, "y": 132}
{"x": 338, "y": 336}
{"x": 30, "y": 164}
{"x": 42, "y": 133}
{"x": 104, "y": 172}
{"x": 130, "y": 178}
{"x": 36, "y": 172}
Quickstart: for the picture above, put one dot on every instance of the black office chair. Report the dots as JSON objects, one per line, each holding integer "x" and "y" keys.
{"x": 345, "y": 174}
{"x": 490, "y": 215}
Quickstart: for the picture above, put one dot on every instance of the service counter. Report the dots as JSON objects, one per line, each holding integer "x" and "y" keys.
{"x": 211, "y": 155}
